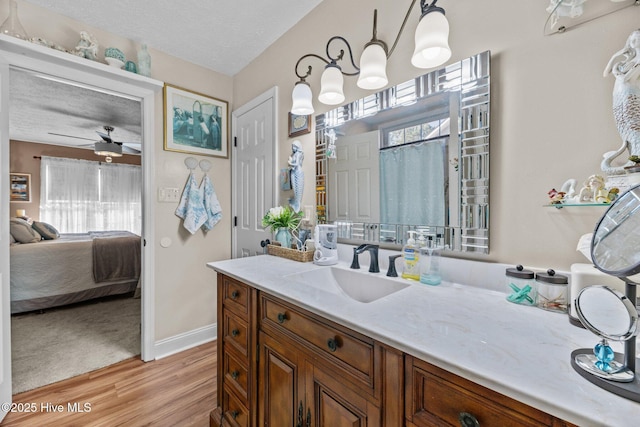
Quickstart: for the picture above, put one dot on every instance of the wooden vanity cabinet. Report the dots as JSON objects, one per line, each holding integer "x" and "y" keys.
{"x": 280, "y": 365}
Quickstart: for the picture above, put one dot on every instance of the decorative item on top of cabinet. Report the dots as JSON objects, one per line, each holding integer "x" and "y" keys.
{"x": 435, "y": 397}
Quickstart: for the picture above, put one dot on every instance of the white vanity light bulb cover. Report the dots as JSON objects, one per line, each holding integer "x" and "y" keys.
{"x": 331, "y": 82}
{"x": 373, "y": 67}
{"x": 432, "y": 41}
{"x": 302, "y": 99}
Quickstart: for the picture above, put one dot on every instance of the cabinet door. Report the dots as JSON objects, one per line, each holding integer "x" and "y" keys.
{"x": 280, "y": 375}
{"x": 334, "y": 404}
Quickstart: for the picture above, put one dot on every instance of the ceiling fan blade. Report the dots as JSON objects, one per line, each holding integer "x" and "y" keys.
{"x": 130, "y": 150}
{"x": 69, "y": 136}
{"x": 104, "y": 136}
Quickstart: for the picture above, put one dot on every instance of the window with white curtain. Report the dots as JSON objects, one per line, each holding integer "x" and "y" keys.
{"x": 77, "y": 196}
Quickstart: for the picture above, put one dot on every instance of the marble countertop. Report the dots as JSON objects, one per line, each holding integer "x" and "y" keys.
{"x": 522, "y": 352}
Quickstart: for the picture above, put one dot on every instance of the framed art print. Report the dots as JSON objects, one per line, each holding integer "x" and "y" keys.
{"x": 195, "y": 123}
{"x": 20, "y": 187}
{"x": 299, "y": 125}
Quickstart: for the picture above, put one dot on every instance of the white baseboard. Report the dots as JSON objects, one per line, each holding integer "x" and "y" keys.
{"x": 185, "y": 341}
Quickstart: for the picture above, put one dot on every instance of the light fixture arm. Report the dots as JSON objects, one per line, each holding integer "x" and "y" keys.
{"x": 331, "y": 61}
{"x": 404, "y": 23}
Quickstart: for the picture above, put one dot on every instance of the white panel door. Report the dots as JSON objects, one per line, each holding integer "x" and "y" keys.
{"x": 354, "y": 177}
{"x": 5, "y": 320}
{"x": 253, "y": 172}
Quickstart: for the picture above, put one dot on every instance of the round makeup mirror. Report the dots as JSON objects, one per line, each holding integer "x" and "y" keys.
{"x": 611, "y": 315}
{"x": 615, "y": 247}
{"x": 607, "y": 313}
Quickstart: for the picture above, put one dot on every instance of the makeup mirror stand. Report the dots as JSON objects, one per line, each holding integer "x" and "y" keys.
{"x": 629, "y": 390}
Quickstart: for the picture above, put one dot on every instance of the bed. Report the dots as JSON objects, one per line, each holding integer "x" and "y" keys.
{"x": 75, "y": 267}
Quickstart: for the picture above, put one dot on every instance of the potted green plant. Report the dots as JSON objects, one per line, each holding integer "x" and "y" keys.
{"x": 282, "y": 221}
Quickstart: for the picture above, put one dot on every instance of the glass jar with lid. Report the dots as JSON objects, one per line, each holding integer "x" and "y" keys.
{"x": 520, "y": 286}
{"x": 552, "y": 291}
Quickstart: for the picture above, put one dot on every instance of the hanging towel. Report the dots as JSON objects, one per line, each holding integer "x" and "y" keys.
{"x": 191, "y": 208}
{"x": 211, "y": 204}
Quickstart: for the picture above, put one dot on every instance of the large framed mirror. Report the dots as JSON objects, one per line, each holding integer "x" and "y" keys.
{"x": 414, "y": 156}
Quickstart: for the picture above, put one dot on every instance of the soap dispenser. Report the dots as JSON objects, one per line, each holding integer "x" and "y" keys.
{"x": 411, "y": 258}
{"x": 430, "y": 262}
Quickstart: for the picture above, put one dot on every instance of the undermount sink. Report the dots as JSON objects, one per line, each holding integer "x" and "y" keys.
{"x": 359, "y": 286}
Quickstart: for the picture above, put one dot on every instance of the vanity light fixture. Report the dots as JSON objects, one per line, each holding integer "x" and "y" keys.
{"x": 431, "y": 50}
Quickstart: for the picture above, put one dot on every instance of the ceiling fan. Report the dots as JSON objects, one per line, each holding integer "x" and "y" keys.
{"x": 107, "y": 146}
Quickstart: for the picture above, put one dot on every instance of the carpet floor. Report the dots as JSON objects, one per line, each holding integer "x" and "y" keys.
{"x": 68, "y": 341}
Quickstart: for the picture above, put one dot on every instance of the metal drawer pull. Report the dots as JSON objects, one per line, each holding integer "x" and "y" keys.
{"x": 300, "y": 415}
{"x": 235, "y": 375}
{"x": 282, "y": 317}
{"x": 235, "y": 294}
{"x": 234, "y": 414}
{"x": 332, "y": 343}
{"x": 235, "y": 333}
{"x": 468, "y": 420}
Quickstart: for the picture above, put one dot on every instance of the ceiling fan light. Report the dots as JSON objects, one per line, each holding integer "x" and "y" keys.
{"x": 302, "y": 99}
{"x": 373, "y": 67}
{"x": 432, "y": 40}
{"x": 108, "y": 149}
{"x": 331, "y": 82}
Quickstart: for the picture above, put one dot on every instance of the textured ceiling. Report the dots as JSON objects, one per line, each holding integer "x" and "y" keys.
{"x": 222, "y": 35}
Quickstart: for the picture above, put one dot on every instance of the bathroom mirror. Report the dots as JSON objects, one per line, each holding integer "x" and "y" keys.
{"x": 607, "y": 313}
{"x": 413, "y": 156}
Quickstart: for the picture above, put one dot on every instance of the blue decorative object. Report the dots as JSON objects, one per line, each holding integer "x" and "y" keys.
{"x": 604, "y": 353}
{"x": 283, "y": 235}
{"x": 114, "y": 52}
{"x": 297, "y": 175}
{"x": 144, "y": 61}
{"x": 131, "y": 67}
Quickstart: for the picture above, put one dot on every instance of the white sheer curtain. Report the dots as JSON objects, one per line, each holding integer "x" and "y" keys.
{"x": 412, "y": 184}
{"x": 77, "y": 196}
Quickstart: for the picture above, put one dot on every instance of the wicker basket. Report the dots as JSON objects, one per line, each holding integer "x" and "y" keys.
{"x": 292, "y": 254}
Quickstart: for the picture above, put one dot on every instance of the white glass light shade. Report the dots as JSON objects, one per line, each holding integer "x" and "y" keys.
{"x": 108, "y": 149}
{"x": 331, "y": 83}
{"x": 302, "y": 99}
{"x": 432, "y": 41}
{"x": 373, "y": 68}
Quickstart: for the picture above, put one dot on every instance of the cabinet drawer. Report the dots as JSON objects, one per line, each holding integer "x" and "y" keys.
{"x": 235, "y": 296}
{"x": 236, "y": 375}
{"x": 331, "y": 340}
{"x": 234, "y": 412}
{"x": 235, "y": 332}
{"x": 439, "y": 398}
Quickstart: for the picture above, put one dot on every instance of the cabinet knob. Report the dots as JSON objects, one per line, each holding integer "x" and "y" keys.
{"x": 235, "y": 333}
{"x": 332, "y": 343}
{"x": 282, "y": 317}
{"x": 235, "y": 375}
{"x": 468, "y": 420}
{"x": 234, "y": 414}
{"x": 235, "y": 294}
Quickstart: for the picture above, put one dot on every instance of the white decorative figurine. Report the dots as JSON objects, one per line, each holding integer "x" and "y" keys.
{"x": 88, "y": 46}
{"x": 625, "y": 66}
{"x": 297, "y": 175}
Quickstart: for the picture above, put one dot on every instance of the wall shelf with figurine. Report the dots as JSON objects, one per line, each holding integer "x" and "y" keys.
{"x": 573, "y": 205}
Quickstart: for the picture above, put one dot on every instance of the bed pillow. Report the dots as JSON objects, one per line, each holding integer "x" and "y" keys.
{"x": 47, "y": 231}
{"x": 21, "y": 231}
{"x": 13, "y": 239}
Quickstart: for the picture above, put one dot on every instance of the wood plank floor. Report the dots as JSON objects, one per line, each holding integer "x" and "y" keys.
{"x": 179, "y": 390}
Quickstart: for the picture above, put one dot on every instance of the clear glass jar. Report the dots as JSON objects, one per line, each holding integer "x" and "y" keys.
{"x": 552, "y": 291}
{"x": 520, "y": 286}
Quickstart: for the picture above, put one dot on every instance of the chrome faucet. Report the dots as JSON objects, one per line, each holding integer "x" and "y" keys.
{"x": 373, "y": 255}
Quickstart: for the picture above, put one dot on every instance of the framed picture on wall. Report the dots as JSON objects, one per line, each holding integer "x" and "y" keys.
{"x": 195, "y": 123}
{"x": 299, "y": 125}
{"x": 20, "y": 187}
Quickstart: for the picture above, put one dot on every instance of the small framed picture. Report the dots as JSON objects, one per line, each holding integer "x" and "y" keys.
{"x": 195, "y": 123}
{"x": 299, "y": 125}
{"x": 20, "y": 187}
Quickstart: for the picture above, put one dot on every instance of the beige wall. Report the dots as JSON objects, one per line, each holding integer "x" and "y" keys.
{"x": 551, "y": 107}
{"x": 185, "y": 287}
